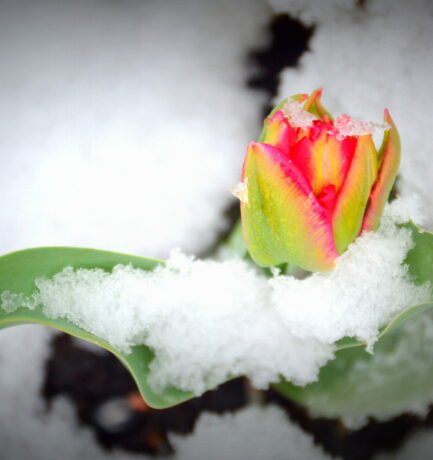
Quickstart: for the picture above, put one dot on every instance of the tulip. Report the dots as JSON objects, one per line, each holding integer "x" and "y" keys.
{"x": 312, "y": 185}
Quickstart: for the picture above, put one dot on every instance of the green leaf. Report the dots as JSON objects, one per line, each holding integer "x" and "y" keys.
{"x": 397, "y": 378}
{"x": 399, "y": 375}
{"x": 420, "y": 257}
{"x": 18, "y": 271}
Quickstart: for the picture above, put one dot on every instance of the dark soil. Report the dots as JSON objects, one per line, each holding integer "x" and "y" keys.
{"x": 288, "y": 40}
{"x": 362, "y": 444}
{"x": 91, "y": 380}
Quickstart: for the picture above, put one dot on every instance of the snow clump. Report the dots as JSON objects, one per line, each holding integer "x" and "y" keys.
{"x": 209, "y": 320}
{"x": 297, "y": 116}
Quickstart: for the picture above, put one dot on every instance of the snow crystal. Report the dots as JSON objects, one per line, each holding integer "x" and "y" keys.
{"x": 208, "y": 320}
{"x": 10, "y": 301}
{"x": 240, "y": 191}
{"x": 348, "y": 126}
{"x": 297, "y": 116}
{"x": 405, "y": 209}
{"x": 251, "y": 433}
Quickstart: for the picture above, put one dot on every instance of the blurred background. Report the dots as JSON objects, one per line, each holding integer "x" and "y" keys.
{"x": 124, "y": 124}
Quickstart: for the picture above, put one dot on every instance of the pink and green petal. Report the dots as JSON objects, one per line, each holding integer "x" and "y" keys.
{"x": 328, "y": 197}
{"x": 302, "y": 97}
{"x": 296, "y": 97}
{"x": 354, "y": 194}
{"x": 278, "y": 132}
{"x": 389, "y": 157}
{"x": 315, "y": 106}
{"x": 275, "y": 116}
{"x": 282, "y": 219}
{"x": 325, "y": 161}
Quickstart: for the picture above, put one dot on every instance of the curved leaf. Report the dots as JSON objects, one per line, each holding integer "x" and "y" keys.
{"x": 18, "y": 271}
{"x": 397, "y": 378}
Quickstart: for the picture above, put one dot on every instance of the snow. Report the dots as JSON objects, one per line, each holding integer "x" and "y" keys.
{"x": 367, "y": 59}
{"x": 10, "y": 301}
{"x": 72, "y": 125}
{"x": 118, "y": 132}
{"x": 297, "y": 116}
{"x": 240, "y": 191}
{"x": 348, "y": 126}
{"x": 123, "y": 121}
{"x": 343, "y": 126}
{"x": 208, "y": 320}
{"x": 266, "y": 432}
{"x": 205, "y": 320}
{"x": 252, "y": 433}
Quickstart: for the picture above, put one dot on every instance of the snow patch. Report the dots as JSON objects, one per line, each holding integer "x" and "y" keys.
{"x": 204, "y": 320}
{"x": 251, "y": 433}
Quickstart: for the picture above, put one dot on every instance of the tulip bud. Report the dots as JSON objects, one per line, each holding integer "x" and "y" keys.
{"x": 312, "y": 184}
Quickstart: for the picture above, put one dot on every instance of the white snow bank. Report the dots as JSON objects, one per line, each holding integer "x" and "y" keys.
{"x": 208, "y": 320}
{"x": 205, "y": 321}
{"x": 251, "y": 433}
{"x": 123, "y": 124}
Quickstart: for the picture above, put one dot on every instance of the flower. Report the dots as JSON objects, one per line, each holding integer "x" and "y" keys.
{"x": 311, "y": 185}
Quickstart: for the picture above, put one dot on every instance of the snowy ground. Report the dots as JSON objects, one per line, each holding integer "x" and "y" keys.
{"x": 124, "y": 124}
{"x": 419, "y": 447}
{"x": 122, "y": 128}
{"x": 370, "y": 58}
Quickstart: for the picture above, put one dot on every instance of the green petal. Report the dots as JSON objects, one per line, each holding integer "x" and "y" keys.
{"x": 389, "y": 157}
{"x": 353, "y": 197}
{"x": 282, "y": 219}
{"x": 314, "y": 105}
